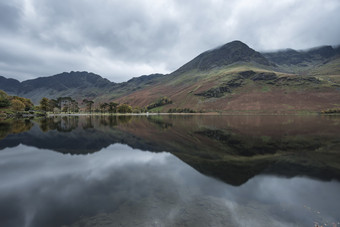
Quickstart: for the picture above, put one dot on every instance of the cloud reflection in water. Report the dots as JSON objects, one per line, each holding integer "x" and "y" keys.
{"x": 137, "y": 188}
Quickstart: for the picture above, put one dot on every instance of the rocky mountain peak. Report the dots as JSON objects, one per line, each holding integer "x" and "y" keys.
{"x": 230, "y": 53}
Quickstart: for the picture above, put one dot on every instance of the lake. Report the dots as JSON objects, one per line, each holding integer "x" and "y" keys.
{"x": 170, "y": 170}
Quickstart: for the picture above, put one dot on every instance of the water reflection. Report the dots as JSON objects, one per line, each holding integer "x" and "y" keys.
{"x": 120, "y": 185}
{"x": 264, "y": 160}
{"x": 8, "y": 127}
{"x": 231, "y": 148}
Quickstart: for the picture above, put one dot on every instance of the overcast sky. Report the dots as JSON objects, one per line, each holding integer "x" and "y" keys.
{"x": 123, "y": 39}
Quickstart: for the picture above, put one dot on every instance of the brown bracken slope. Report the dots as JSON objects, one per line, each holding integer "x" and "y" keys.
{"x": 236, "y": 79}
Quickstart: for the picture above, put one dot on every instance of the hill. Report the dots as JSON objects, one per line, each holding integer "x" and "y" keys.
{"x": 64, "y": 84}
{"x": 306, "y": 61}
{"x": 228, "y": 54}
{"x": 78, "y": 85}
{"x": 11, "y": 86}
{"x": 236, "y": 79}
{"x": 231, "y": 78}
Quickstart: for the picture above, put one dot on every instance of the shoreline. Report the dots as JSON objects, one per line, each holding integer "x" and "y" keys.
{"x": 195, "y": 114}
{"x": 39, "y": 115}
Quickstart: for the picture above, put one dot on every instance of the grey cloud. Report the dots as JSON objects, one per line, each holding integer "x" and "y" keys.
{"x": 8, "y": 16}
{"x": 126, "y": 31}
{"x": 120, "y": 40}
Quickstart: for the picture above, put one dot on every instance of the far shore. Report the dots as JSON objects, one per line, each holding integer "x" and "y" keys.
{"x": 200, "y": 114}
{"x": 235, "y": 113}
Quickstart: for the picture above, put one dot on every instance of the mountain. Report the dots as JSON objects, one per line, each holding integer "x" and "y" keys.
{"x": 9, "y": 85}
{"x": 228, "y": 54}
{"x": 305, "y": 61}
{"x": 236, "y": 79}
{"x": 65, "y": 80}
{"x": 64, "y": 84}
{"x": 78, "y": 85}
{"x": 231, "y": 78}
{"x": 294, "y": 57}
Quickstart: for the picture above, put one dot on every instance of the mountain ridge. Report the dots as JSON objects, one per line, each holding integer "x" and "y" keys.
{"x": 303, "y": 61}
{"x": 230, "y": 77}
{"x": 227, "y": 54}
{"x": 63, "y": 84}
{"x": 247, "y": 85}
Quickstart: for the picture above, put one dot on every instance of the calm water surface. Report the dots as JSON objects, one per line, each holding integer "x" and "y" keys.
{"x": 170, "y": 171}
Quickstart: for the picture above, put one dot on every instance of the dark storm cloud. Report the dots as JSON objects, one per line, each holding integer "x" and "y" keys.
{"x": 119, "y": 40}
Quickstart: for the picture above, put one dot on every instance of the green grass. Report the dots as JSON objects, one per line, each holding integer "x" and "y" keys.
{"x": 265, "y": 139}
{"x": 330, "y": 68}
{"x": 157, "y": 109}
{"x": 265, "y": 88}
{"x": 220, "y": 73}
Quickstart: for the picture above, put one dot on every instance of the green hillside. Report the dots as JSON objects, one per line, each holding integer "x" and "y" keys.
{"x": 249, "y": 83}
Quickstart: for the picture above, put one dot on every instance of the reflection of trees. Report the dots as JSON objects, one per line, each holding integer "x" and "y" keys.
{"x": 124, "y": 119}
{"x": 88, "y": 123}
{"x": 43, "y": 124}
{"x": 69, "y": 123}
{"x": 103, "y": 121}
{"x": 5, "y": 129}
{"x": 47, "y": 124}
{"x": 64, "y": 124}
{"x": 21, "y": 126}
{"x": 180, "y": 117}
{"x": 160, "y": 122}
{"x": 112, "y": 121}
{"x": 14, "y": 126}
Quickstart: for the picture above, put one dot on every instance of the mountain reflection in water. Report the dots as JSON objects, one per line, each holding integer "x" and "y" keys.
{"x": 277, "y": 171}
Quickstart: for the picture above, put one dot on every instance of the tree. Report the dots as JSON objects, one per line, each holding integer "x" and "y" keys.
{"x": 113, "y": 107}
{"x": 160, "y": 102}
{"x": 52, "y": 105}
{"x": 70, "y": 104}
{"x": 74, "y": 106}
{"x": 65, "y": 109}
{"x": 44, "y": 104}
{"x": 4, "y": 99}
{"x": 103, "y": 107}
{"x": 17, "y": 105}
{"x": 27, "y": 102}
{"x": 124, "y": 108}
{"x": 88, "y": 104}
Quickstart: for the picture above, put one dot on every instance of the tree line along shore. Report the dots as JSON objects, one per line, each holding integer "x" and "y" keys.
{"x": 15, "y": 106}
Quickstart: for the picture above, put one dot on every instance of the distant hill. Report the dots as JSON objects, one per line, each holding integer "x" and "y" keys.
{"x": 65, "y": 81}
{"x": 64, "y": 84}
{"x": 11, "y": 86}
{"x": 305, "y": 61}
{"x": 78, "y": 85}
{"x": 231, "y": 78}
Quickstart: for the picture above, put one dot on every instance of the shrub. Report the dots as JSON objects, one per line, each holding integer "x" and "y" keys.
{"x": 179, "y": 110}
{"x": 4, "y": 99}
{"x": 160, "y": 102}
{"x": 124, "y": 108}
{"x": 331, "y": 111}
{"x": 17, "y": 105}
